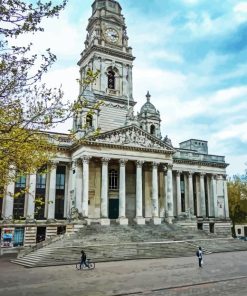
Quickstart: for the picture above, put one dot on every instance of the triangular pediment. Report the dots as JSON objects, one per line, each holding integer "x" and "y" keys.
{"x": 131, "y": 136}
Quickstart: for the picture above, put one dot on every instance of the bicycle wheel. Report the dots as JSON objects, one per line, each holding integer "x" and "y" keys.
{"x": 91, "y": 265}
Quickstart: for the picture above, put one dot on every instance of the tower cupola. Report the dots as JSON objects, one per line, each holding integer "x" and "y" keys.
{"x": 149, "y": 118}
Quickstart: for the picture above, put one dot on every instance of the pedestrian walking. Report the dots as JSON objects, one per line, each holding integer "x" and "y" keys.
{"x": 199, "y": 255}
{"x": 83, "y": 259}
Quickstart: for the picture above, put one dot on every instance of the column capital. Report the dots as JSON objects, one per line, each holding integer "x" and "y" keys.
{"x": 53, "y": 164}
{"x": 105, "y": 160}
{"x": 190, "y": 173}
{"x": 122, "y": 162}
{"x": 139, "y": 163}
{"x": 164, "y": 168}
{"x": 213, "y": 176}
{"x": 178, "y": 173}
{"x": 218, "y": 176}
{"x": 202, "y": 174}
{"x": 155, "y": 164}
{"x": 169, "y": 166}
{"x": 85, "y": 159}
{"x": 224, "y": 177}
{"x": 77, "y": 162}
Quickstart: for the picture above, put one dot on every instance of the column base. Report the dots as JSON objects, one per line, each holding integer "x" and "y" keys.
{"x": 105, "y": 222}
{"x": 123, "y": 221}
{"x": 30, "y": 221}
{"x": 139, "y": 220}
{"x": 51, "y": 220}
{"x": 156, "y": 220}
{"x": 169, "y": 220}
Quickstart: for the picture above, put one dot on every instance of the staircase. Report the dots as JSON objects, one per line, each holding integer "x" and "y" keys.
{"x": 115, "y": 242}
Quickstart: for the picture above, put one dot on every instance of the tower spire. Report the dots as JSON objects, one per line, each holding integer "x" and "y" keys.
{"x": 148, "y": 96}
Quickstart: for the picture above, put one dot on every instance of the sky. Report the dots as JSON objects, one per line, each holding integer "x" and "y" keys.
{"x": 190, "y": 55}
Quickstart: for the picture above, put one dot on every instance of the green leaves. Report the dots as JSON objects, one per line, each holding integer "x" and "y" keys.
{"x": 237, "y": 195}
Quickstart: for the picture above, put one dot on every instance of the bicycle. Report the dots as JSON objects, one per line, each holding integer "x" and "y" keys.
{"x": 90, "y": 265}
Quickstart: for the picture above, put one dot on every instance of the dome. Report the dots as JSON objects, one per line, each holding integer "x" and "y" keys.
{"x": 148, "y": 107}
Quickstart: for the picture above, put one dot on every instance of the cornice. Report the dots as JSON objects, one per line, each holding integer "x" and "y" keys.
{"x": 116, "y": 100}
{"x": 121, "y": 147}
{"x": 108, "y": 51}
{"x": 200, "y": 162}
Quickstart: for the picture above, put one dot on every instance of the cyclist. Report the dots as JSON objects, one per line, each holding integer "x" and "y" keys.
{"x": 83, "y": 259}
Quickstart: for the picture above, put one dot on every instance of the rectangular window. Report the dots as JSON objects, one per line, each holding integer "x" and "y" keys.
{"x": 182, "y": 186}
{"x": 19, "y": 200}
{"x": 40, "y": 196}
{"x": 20, "y": 182}
{"x": 113, "y": 180}
{"x": 40, "y": 181}
{"x": 60, "y": 181}
{"x": 60, "y": 192}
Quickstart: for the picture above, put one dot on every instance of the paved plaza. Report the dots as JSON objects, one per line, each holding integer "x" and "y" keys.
{"x": 222, "y": 274}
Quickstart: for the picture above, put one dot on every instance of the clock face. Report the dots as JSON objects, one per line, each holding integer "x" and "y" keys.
{"x": 111, "y": 35}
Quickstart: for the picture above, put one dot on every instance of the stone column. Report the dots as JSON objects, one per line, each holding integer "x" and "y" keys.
{"x": 78, "y": 185}
{"x": 104, "y": 193}
{"x": 226, "y": 197}
{"x": 214, "y": 195}
{"x": 85, "y": 189}
{"x": 202, "y": 196}
{"x": 165, "y": 191}
{"x": 52, "y": 192}
{"x": 169, "y": 194}
{"x": 186, "y": 193}
{"x": 178, "y": 182}
{"x": 210, "y": 196}
{"x": 122, "y": 220}
{"x": 31, "y": 198}
{"x": 8, "y": 201}
{"x": 191, "y": 194}
{"x": 155, "y": 201}
{"x": 139, "y": 217}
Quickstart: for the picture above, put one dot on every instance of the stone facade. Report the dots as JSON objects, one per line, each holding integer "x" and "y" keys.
{"x": 129, "y": 173}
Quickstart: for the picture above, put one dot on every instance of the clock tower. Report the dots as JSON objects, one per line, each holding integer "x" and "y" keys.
{"x": 107, "y": 51}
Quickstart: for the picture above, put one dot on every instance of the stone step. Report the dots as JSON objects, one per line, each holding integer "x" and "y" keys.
{"x": 114, "y": 242}
{"x": 101, "y": 253}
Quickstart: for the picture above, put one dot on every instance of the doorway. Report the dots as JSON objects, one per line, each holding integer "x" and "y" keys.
{"x": 113, "y": 208}
{"x": 40, "y": 235}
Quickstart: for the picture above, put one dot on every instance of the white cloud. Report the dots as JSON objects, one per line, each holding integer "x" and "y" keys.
{"x": 165, "y": 55}
{"x": 241, "y": 8}
{"x": 233, "y": 131}
{"x": 240, "y": 12}
{"x": 66, "y": 78}
{"x": 63, "y": 37}
{"x": 200, "y": 24}
{"x": 233, "y": 93}
{"x": 237, "y": 164}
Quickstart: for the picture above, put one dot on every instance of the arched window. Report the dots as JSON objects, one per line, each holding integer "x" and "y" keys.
{"x": 113, "y": 179}
{"x": 152, "y": 130}
{"x": 111, "y": 79}
{"x": 89, "y": 120}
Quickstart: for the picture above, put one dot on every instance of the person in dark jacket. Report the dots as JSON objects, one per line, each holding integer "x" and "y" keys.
{"x": 83, "y": 259}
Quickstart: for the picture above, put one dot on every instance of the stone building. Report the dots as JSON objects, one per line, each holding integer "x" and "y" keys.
{"x": 129, "y": 173}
